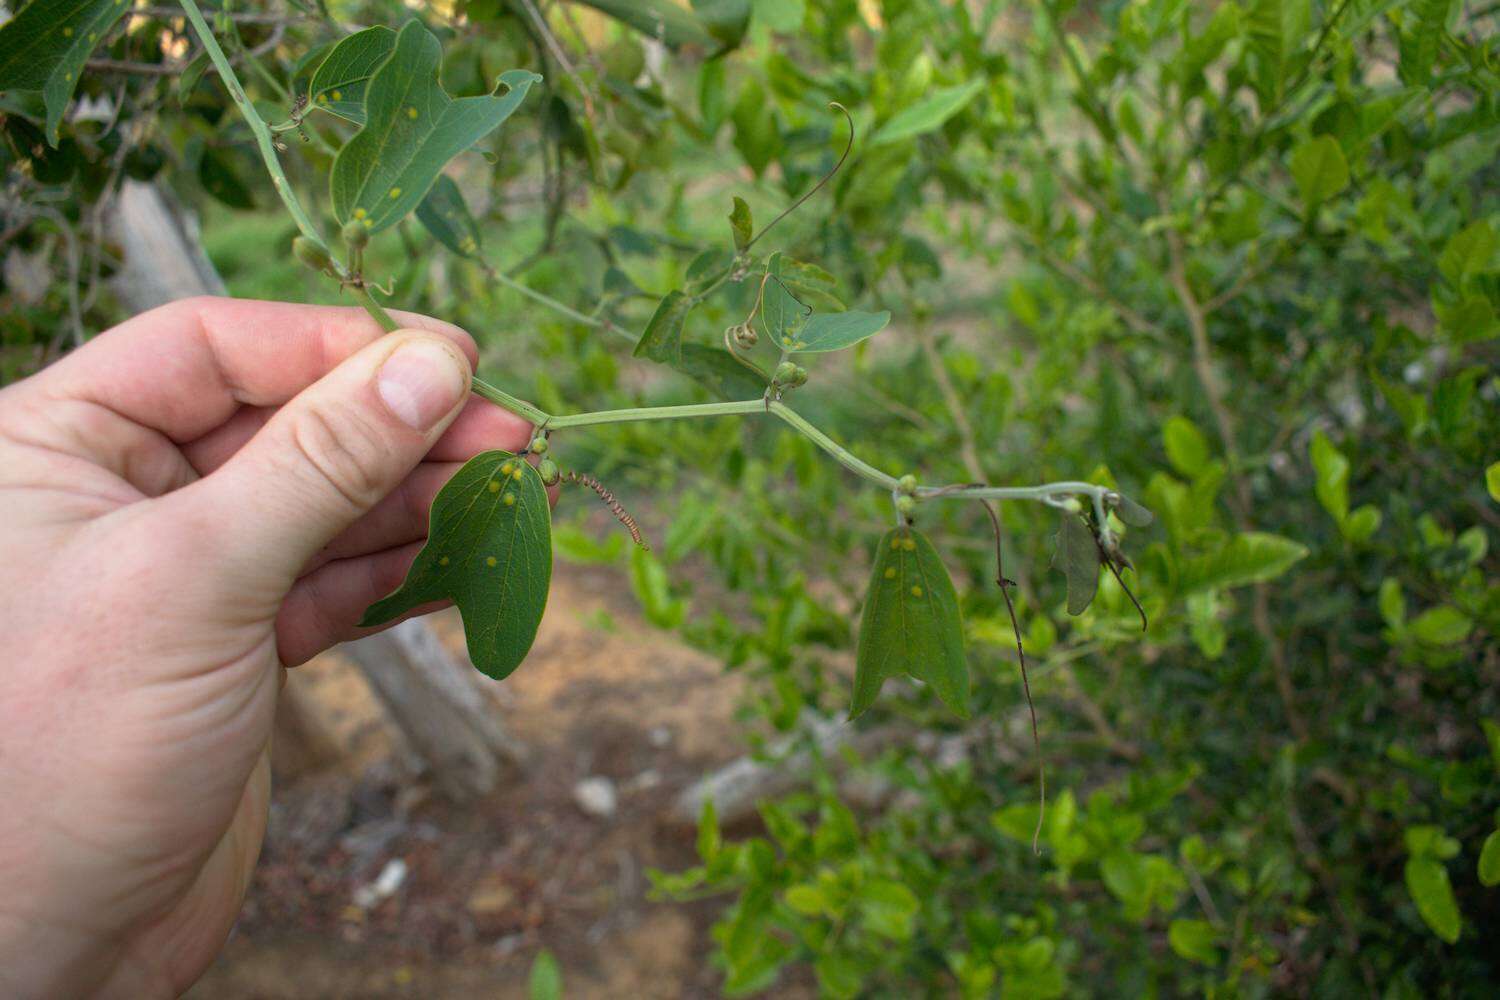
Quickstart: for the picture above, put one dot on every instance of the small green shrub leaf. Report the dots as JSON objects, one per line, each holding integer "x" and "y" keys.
{"x": 1187, "y": 448}
{"x": 741, "y": 224}
{"x": 662, "y": 20}
{"x": 1333, "y": 476}
{"x": 412, "y": 129}
{"x": 662, "y": 341}
{"x": 45, "y": 46}
{"x": 1320, "y": 170}
{"x": 1427, "y": 881}
{"x": 338, "y": 85}
{"x": 1443, "y": 625}
{"x": 1489, "y": 861}
{"x": 489, "y": 549}
{"x": 445, "y": 215}
{"x": 1194, "y": 940}
{"x": 927, "y": 114}
{"x": 911, "y": 624}
{"x": 1250, "y": 557}
{"x": 1077, "y": 555}
{"x": 1492, "y": 481}
{"x": 545, "y": 982}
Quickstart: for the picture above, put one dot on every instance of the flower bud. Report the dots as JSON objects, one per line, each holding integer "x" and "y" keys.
{"x": 549, "y": 472}
{"x": 905, "y": 504}
{"x": 538, "y": 445}
{"x": 907, "y": 484}
{"x": 313, "y": 255}
{"x": 356, "y": 234}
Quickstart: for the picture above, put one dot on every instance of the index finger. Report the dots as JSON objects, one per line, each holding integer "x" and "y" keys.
{"x": 184, "y": 368}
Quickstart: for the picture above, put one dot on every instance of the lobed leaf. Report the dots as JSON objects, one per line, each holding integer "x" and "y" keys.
{"x": 911, "y": 624}
{"x": 339, "y": 83}
{"x": 1077, "y": 555}
{"x": 45, "y": 46}
{"x": 445, "y": 215}
{"x": 489, "y": 549}
{"x": 412, "y": 129}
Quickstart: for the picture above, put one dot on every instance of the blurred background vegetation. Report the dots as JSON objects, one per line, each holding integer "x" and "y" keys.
{"x": 1241, "y": 259}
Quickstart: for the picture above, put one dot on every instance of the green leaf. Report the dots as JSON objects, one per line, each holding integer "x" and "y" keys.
{"x": 1250, "y": 557}
{"x": 890, "y": 909}
{"x": 710, "y": 840}
{"x": 45, "y": 46}
{"x": 662, "y": 20}
{"x": 826, "y": 332}
{"x": 444, "y": 215}
{"x": 489, "y": 549}
{"x": 662, "y": 340}
{"x": 927, "y": 114}
{"x": 338, "y": 85}
{"x": 812, "y": 285}
{"x": 192, "y": 73}
{"x": 546, "y": 977}
{"x": 1333, "y": 476}
{"x": 1362, "y": 523}
{"x": 1133, "y": 513}
{"x": 648, "y": 578}
{"x": 1077, "y": 555}
{"x": 1470, "y": 251}
{"x": 716, "y": 371}
{"x": 911, "y": 624}
{"x": 1443, "y": 625}
{"x": 840, "y": 976}
{"x": 781, "y": 15}
{"x": 1194, "y": 940}
{"x": 1489, "y": 861}
{"x": 1187, "y": 448}
{"x": 740, "y": 223}
{"x": 1492, "y": 481}
{"x": 755, "y": 133}
{"x": 413, "y": 128}
{"x": 1320, "y": 170}
{"x": 220, "y": 177}
{"x": 1392, "y": 602}
{"x": 1427, "y": 881}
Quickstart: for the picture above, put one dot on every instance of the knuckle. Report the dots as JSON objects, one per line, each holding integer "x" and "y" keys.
{"x": 345, "y": 453}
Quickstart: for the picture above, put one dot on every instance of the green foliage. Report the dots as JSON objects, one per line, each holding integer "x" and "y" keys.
{"x": 45, "y": 45}
{"x": 338, "y": 84}
{"x": 545, "y": 982}
{"x": 412, "y": 129}
{"x": 911, "y": 624}
{"x": 489, "y": 550}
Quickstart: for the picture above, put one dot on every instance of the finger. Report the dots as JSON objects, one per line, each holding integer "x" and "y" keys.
{"x": 399, "y": 518}
{"x": 481, "y": 426}
{"x": 329, "y": 456}
{"x": 184, "y": 369}
{"x": 324, "y": 608}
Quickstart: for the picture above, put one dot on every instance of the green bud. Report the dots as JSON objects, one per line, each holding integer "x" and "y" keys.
{"x": 538, "y": 445}
{"x": 799, "y": 376}
{"x": 312, "y": 255}
{"x": 548, "y": 470}
{"x": 785, "y": 373}
{"x": 356, "y": 234}
{"x": 907, "y": 484}
{"x": 906, "y": 504}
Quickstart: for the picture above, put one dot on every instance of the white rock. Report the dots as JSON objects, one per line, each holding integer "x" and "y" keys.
{"x": 390, "y": 879}
{"x": 596, "y": 796}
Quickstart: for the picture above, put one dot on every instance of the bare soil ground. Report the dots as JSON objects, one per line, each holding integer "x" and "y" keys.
{"x": 489, "y": 883}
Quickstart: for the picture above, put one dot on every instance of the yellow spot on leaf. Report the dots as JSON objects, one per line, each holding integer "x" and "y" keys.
{"x": 443, "y": 561}
{"x": 510, "y": 499}
{"x": 517, "y": 474}
{"x": 338, "y": 95}
{"x": 411, "y": 113}
{"x": 360, "y": 213}
{"x": 916, "y": 591}
{"x": 895, "y": 543}
{"x": 908, "y": 544}
{"x": 890, "y": 572}
{"x": 67, "y": 32}
{"x": 489, "y": 560}
{"x": 395, "y": 192}
{"x": 322, "y": 98}
{"x": 494, "y": 486}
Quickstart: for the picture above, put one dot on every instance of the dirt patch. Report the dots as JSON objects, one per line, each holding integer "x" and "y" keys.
{"x": 372, "y": 885}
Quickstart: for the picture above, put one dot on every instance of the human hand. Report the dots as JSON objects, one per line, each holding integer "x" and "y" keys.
{"x": 189, "y": 504}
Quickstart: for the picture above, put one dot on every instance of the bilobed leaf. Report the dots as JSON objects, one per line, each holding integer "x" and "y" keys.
{"x": 812, "y": 285}
{"x": 338, "y": 85}
{"x": 662, "y": 20}
{"x": 911, "y": 624}
{"x": 662, "y": 340}
{"x": 825, "y": 332}
{"x": 741, "y": 225}
{"x": 1077, "y": 555}
{"x": 927, "y": 114}
{"x": 447, "y": 218}
{"x": 412, "y": 129}
{"x": 489, "y": 549}
{"x": 1249, "y": 557}
{"x": 45, "y": 46}
{"x": 781, "y": 316}
{"x": 1320, "y": 170}
{"x": 1427, "y": 881}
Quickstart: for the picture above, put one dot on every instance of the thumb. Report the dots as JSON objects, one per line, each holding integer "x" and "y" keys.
{"x": 335, "y": 450}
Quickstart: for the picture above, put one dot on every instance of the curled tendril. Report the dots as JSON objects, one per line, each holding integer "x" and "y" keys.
{"x": 849, "y": 146}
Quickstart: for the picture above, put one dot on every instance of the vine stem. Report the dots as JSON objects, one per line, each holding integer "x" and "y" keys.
{"x": 1052, "y": 494}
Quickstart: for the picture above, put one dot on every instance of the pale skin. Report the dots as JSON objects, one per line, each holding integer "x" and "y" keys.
{"x": 190, "y": 504}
